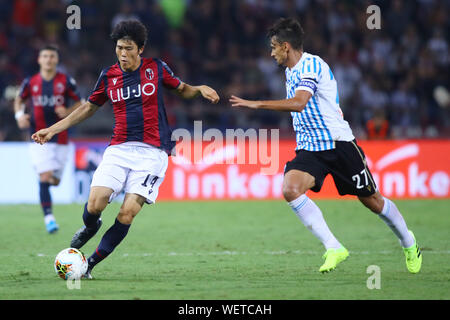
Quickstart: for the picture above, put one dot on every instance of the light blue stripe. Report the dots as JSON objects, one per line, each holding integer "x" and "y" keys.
{"x": 314, "y": 61}
{"x": 311, "y": 119}
{"x": 316, "y": 105}
{"x": 317, "y": 126}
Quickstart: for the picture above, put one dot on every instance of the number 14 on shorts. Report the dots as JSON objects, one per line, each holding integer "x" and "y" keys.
{"x": 150, "y": 181}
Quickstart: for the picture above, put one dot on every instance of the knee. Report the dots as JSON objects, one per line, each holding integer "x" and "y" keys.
{"x": 97, "y": 204}
{"x": 46, "y": 177}
{"x": 126, "y": 215}
{"x": 292, "y": 192}
{"x": 374, "y": 203}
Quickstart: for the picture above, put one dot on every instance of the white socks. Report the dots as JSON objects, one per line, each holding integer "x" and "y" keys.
{"x": 48, "y": 218}
{"x": 393, "y": 218}
{"x": 311, "y": 216}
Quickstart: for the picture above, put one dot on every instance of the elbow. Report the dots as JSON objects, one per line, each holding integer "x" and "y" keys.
{"x": 299, "y": 106}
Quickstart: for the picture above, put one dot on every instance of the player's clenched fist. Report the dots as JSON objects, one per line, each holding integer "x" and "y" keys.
{"x": 42, "y": 136}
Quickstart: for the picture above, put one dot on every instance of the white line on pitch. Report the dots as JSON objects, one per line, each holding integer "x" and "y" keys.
{"x": 234, "y": 253}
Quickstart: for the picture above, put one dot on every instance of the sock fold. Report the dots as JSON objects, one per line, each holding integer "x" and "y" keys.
{"x": 394, "y": 220}
{"x": 311, "y": 216}
{"x": 90, "y": 220}
{"x": 110, "y": 240}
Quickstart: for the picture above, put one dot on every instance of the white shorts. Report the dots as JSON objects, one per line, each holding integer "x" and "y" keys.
{"x": 50, "y": 156}
{"x": 133, "y": 167}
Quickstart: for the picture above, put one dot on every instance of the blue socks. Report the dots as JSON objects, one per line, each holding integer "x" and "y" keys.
{"x": 109, "y": 242}
{"x": 45, "y": 198}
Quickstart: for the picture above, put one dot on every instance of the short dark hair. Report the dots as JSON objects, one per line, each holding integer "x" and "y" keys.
{"x": 52, "y": 47}
{"x": 130, "y": 30}
{"x": 288, "y": 30}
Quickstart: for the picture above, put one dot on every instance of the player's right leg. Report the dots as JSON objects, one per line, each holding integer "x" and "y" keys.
{"x": 45, "y": 198}
{"x": 97, "y": 202}
{"x": 295, "y": 184}
{"x": 389, "y": 213}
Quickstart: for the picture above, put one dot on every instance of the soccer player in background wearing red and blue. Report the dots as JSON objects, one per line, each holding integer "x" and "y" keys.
{"x": 49, "y": 92}
{"x": 137, "y": 157}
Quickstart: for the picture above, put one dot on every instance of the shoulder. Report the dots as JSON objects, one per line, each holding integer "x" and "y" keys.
{"x": 110, "y": 71}
{"x": 312, "y": 66}
{"x": 160, "y": 62}
{"x": 35, "y": 77}
{"x": 65, "y": 77}
{"x": 147, "y": 61}
{"x": 33, "y": 80}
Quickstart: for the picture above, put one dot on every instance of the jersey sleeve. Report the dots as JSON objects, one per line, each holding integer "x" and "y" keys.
{"x": 24, "y": 90}
{"x": 170, "y": 81}
{"x": 71, "y": 89}
{"x": 98, "y": 95}
{"x": 310, "y": 74}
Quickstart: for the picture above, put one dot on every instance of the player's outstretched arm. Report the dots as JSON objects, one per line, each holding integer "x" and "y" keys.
{"x": 83, "y": 112}
{"x": 295, "y": 104}
{"x": 187, "y": 91}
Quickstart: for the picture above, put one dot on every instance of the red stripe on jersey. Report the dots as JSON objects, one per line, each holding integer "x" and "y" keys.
{"x": 149, "y": 79}
{"x": 115, "y": 84}
{"x": 38, "y": 110}
{"x": 63, "y": 137}
{"x": 99, "y": 95}
{"x": 169, "y": 80}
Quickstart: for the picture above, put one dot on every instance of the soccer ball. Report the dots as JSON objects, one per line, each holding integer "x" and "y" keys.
{"x": 70, "y": 264}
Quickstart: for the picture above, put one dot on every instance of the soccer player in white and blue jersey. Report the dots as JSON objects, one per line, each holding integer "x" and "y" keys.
{"x": 325, "y": 145}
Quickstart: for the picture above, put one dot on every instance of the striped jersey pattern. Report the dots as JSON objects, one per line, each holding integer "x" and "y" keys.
{"x": 321, "y": 122}
{"x": 137, "y": 100}
{"x": 45, "y": 96}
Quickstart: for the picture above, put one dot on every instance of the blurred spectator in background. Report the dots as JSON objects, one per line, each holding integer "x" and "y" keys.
{"x": 395, "y": 70}
{"x": 378, "y": 127}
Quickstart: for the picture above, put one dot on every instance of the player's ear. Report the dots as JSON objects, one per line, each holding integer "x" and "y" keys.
{"x": 141, "y": 50}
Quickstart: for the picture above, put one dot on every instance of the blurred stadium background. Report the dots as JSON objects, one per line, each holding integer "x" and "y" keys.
{"x": 392, "y": 72}
{"x": 395, "y": 77}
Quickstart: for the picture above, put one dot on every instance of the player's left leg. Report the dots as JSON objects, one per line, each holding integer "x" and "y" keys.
{"x": 131, "y": 206}
{"x": 307, "y": 171}
{"x": 389, "y": 213}
{"x": 48, "y": 160}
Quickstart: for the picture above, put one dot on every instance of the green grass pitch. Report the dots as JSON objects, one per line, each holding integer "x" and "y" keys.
{"x": 228, "y": 250}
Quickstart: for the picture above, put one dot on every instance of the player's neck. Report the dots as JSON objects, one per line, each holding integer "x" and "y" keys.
{"x": 132, "y": 68}
{"x": 48, "y": 75}
{"x": 293, "y": 58}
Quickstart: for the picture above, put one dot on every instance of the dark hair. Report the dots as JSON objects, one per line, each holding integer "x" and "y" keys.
{"x": 130, "y": 30}
{"x": 288, "y": 30}
{"x": 51, "y": 47}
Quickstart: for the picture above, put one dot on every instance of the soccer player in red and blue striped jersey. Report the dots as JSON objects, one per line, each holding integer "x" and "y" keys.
{"x": 137, "y": 157}
{"x": 137, "y": 99}
{"x": 49, "y": 92}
